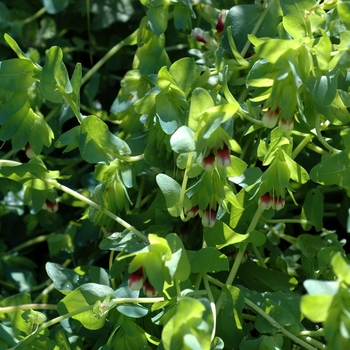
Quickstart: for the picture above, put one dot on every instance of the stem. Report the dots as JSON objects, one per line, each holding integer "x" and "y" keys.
{"x": 259, "y": 257}
{"x": 8, "y": 309}
{"x": 29, "y": 243}
{"x": 184, "y": 184}
{"x": 98, "y": 207}
{"x": 257, "y": 26}
{"x": 290, "y": 335}
{"x": 320, "y": 137}
{"x": 207, "y": 288}
{"x": 137, "y": 300}
{"x": 302, "y": 145}
{"x": 238, "y": 259}
{"x": 35, "y": 16}
{"x": 107, "y": 56}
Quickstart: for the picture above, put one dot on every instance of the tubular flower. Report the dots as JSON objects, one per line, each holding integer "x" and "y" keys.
{"x": 224, "y": 158}
{"x": 209, "y": 161}
{"x": 192, "y": 212}
{"x": 278, "y": 203}
{"x": 135, "y": 281}
{"x": 29, "y": 152}
{"x": 51, "y": 207}
{"x": 286, "y": 126}
{"x": 221, "y": 21}
{"x": 148, "y": 289}
{"x": 199, "y": 35}
{"x": 267, "y": 201}
{"x": 209, "y": 217}
{"x": 271, "y": 117}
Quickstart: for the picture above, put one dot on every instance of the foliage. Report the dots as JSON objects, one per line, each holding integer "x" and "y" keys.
{"x": 174, "y": 174}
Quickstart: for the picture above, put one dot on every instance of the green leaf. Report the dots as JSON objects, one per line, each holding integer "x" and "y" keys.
{"x": 12, "y": 103}
{"x": 312, "y": 210}
{"x": 182, "y": 140}
{"x": 260, "y": 279}
{"x": 333, "y": 171}
{"x": 316, "y": 307}
{"x": 343, "y": 8}
{"x": 97, "y": 143}
{"x": 16, "y": 74}
{"x": 167, "y": 112}
{"x": 54, "y": 81}
{"x": 183, "y": 72}
{"x": 171, "y": 191}
{"x": 182, "y": 15}
{"x": 64, "y": 280}
{"x": 183, "y": 268}
{"x": 294, "y": 18}
{"x": 208, "y": 260}
{"x": 200, "y": 102}
{"x": 158, "y": 19}
{"x": 221, "y": 235}
{"x": 341, "y": 268}
{"x": 83, "y": 299}
{"x": 55, "y": 6}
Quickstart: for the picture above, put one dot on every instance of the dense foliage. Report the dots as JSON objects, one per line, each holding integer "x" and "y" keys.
{"x": 174, "y": 174}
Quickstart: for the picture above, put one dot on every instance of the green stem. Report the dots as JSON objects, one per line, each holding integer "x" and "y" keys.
{"x": 8, "y": 309}
{"x": 138, "y": 300}
{"x": 259, "y": 257}
{"x": 29, "y": 243}
{"x": 302, "y": 145}
{"x": 320, "y": 137}
{"x": 35, "y": 16}
{"x": 207, "y": 288}
{"x": 108, "y": 55}
{"x": 290, "y": 335}
{"x": 257, "y": 26}
{"x": 184, "y": 185}
{"x": 238, "y": 259}
{"x": 98, "y": 207}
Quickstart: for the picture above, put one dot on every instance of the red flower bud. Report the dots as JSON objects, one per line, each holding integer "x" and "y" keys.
{"x": 135, "y": 281}
{"x": 209, "y": 161}
{"x": 221, "y": 21}
{"x": 148, "y": 289}
{"x": 209, "y": 217}
{"x": 224, "y": 158}
{"x": 199, "y": 35}
{"x": 286, "y": 126}
{"x": 50, "y": 207}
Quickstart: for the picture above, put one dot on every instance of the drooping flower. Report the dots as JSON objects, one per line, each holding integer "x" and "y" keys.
{"x": 135, "y": 281}
{"x": 29, "y": 151}
{"x": 270, "y": 118}
{"x": 286, "y": 126}
{"x": 224, "y": 158}
{"x": 199, "y": 35}
{"x": 265, "y": 201}
{"x": 192, "y": 212}
{"x": 209, "y": 217}
{"x": 209, "y": 161}
{"x": 51, "y": 207}
{"x": 278, "y": 203}
{"x": 221, "y": 21}
{"x": 148, "y": 289}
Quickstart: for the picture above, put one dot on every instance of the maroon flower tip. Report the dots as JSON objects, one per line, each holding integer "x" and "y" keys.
{"x": 29, "y": 152}
{"x": 50, "y": 207}
{"x": 278, "y": 203}
{"x": 224, "y": 158}
{"x": 199, "y": 35}
{"x": 271, "y": 117}
{"x": 286, "y": 126}
{"x": 135, "y": 281}
{"x": 221, "y": 21}
{"x": 148, "y": 289}
{"x": 209, "y": 217}
{"x": 265, "y": 201}
{"x": 192, "y": 212}
{"x": 209, "y": 161}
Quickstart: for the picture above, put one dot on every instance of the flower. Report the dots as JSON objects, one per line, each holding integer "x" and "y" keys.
{"x": 199, "y": 35}
{"x": 51, "y": 207}
{"x": 29, "y": 152}
{"x": 221, "y": 21}
{"x": 148, "y": 289}
{"x": 224, "y": 158}
{"x": 286, "y": 126}
{"x": 265, "y": 201}
{"x": 192, "y": 212}
{"x": 209, "y": 217}
{"x": 209, "y": 161}
{"x": 135, "y": 281}
{"x": 271, "y": 117}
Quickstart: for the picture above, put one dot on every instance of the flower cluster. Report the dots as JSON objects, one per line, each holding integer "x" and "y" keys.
{"x": 137, "y": 280}
{"x": 268, "y": 201}
{"x": 272, "y": 116}
{"x": 217, "y": 157}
